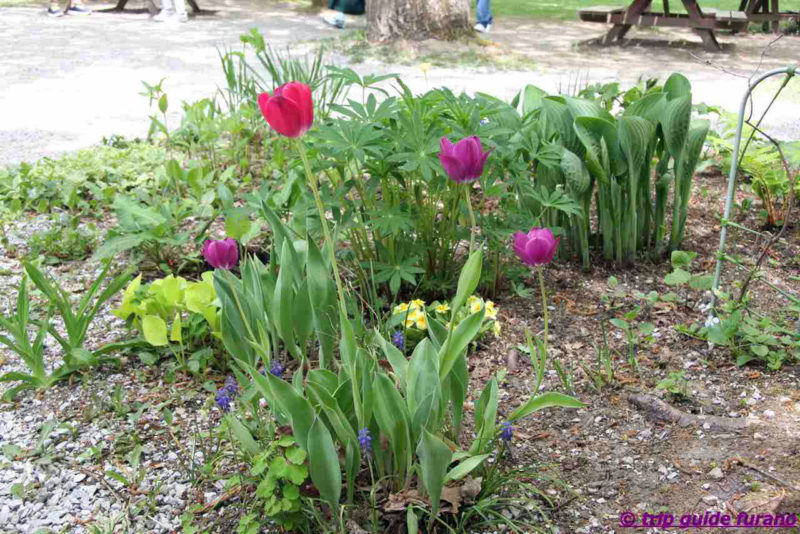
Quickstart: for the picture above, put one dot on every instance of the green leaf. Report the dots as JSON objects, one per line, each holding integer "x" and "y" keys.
{"x": 434, "y": 458}
{"x": 467, "y": 281}
{"x": 465, "y": 467}
{"x": 296, "y": 455}
{"x": 704, "y": 281}
{"x": 175, "y": 332}
{"x": 296, "y": 473}
{"x": 462, "y": 336}
{"x": 237, "y": 223}
{"x": 545, "y": 400}
{"x": 243, "y": 436}
{"x": 619, "y": 323}
{"x": 677, "y": 277}
{"x": 323, "y": 462}
{"x": 759, "y": 350}
{"x": 675, "y": 123}
{"x": 681, "y": 259}
{"x": 155, "y": 330}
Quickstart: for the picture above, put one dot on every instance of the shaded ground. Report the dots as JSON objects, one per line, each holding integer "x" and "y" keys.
{"x": 68, "y": 82}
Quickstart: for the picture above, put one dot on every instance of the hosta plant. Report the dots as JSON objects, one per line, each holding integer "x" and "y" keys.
{"x": 174, "y": 314}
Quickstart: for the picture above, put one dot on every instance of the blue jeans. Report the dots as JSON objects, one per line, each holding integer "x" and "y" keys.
{"x": 484, "y": 12}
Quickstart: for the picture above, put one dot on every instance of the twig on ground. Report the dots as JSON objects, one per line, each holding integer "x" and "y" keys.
{"x": 658, "y": 410}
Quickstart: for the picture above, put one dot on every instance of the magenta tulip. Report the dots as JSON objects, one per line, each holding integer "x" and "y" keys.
{"x": 221, "y": 254}
{"x": 537, "y": 247}
{"x": 463, "y": 161}
{"x": 289, "y": 110}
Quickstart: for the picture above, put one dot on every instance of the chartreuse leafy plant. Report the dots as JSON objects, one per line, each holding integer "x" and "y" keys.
{"x": 174, "y": 312}
{"x": 76, "y": 323}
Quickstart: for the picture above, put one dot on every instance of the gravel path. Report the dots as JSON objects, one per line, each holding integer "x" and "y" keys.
{"x": 68, "y": 82}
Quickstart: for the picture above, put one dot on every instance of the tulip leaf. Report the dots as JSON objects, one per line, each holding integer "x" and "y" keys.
{"x": 323, "y": 464}
{"x": 467, "y": 281}
{"x": 543, "y": 401}
{"x": 465, "y": 467}
{"x": 243, "y": 436}
{"x": 462, "y": 336}
{"x": 434, "y": 458}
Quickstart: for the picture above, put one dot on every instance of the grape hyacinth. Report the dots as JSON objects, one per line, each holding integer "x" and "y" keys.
{"x": 398, "y": 339}
{"x": 506, "y": 431}
{"x": 224, "y": 400}
{"x": 365, "y": 440}
{"x": 232, "y": 386}
{"x": 276, "y": 369}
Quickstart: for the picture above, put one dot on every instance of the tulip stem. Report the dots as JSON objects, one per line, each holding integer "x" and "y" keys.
{"x": 312, "y": 183}
{"x": 544, "y": 306}
{"x": 471, "y": 219}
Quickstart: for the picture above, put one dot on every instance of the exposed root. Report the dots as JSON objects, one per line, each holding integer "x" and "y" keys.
{"x": 657, "y": 410}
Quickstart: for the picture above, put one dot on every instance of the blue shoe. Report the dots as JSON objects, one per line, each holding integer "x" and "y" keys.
{"x": 79, "y": 10}
{"x": 54, "y": 12}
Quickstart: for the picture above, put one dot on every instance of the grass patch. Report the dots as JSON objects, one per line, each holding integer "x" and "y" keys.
{"x": 468, "y": 53}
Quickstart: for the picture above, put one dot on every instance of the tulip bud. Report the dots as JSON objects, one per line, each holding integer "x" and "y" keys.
{"x": 221, "y": 254}
{"x": 537, "y": 247}
{"x": 464, "y": 161}
{"x": 289, "y": 110}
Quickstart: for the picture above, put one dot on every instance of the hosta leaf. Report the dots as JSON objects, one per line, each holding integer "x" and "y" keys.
{"x": 575, "y": 172}
{"x": 675, "y": 123}
{"x": 155, "y": 330}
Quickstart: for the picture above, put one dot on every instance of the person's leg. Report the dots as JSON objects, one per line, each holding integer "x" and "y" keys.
{"x": 167, "y": 10}
{"x": 180, "y": 10}
{"x": 484, "y": 13}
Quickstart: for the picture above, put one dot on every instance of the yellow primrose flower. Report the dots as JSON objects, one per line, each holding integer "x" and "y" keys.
{"x": 424, "y": 67}
{"x": 413, "y": 317}
{"x": 417, "y": 304}
{"x": 422, "y": 322}
{"x": 476, "y": 306}
{"x": 491, "y": 310}
{"x": 401, "y": 308}
{"x": 472, "y": 299}
{"x": 496, "y": 328}
{"x": 442, "y": 308}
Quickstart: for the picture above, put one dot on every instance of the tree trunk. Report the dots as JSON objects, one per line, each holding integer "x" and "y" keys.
{"x": 417, "y": 19}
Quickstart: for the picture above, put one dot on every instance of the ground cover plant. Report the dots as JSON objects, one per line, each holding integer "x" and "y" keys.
{"x": 321, "y": 334}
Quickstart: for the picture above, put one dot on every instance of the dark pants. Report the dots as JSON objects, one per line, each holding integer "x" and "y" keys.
{"x": 351, "y": 7}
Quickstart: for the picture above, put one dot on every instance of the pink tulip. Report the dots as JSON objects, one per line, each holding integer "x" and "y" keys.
{"x": 537, "y": 247}
{"x": 464, "y": 161}
{"x": 289, "y": 110}
{"x": 221, "y": 254}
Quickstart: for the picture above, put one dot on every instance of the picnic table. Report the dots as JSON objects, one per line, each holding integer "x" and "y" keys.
{"x": 121, "y": 6}
{"x": 702, "y": 22}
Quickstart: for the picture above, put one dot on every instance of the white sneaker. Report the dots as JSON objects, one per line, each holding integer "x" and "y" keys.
{"x": 163, "y": 15}
{"x": 480, "y": 28}
{"x": 178, "y": 17}
{"x": 337, "y": 21}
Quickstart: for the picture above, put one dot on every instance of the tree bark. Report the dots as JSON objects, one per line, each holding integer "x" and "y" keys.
{"x": 417, "y": 19}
